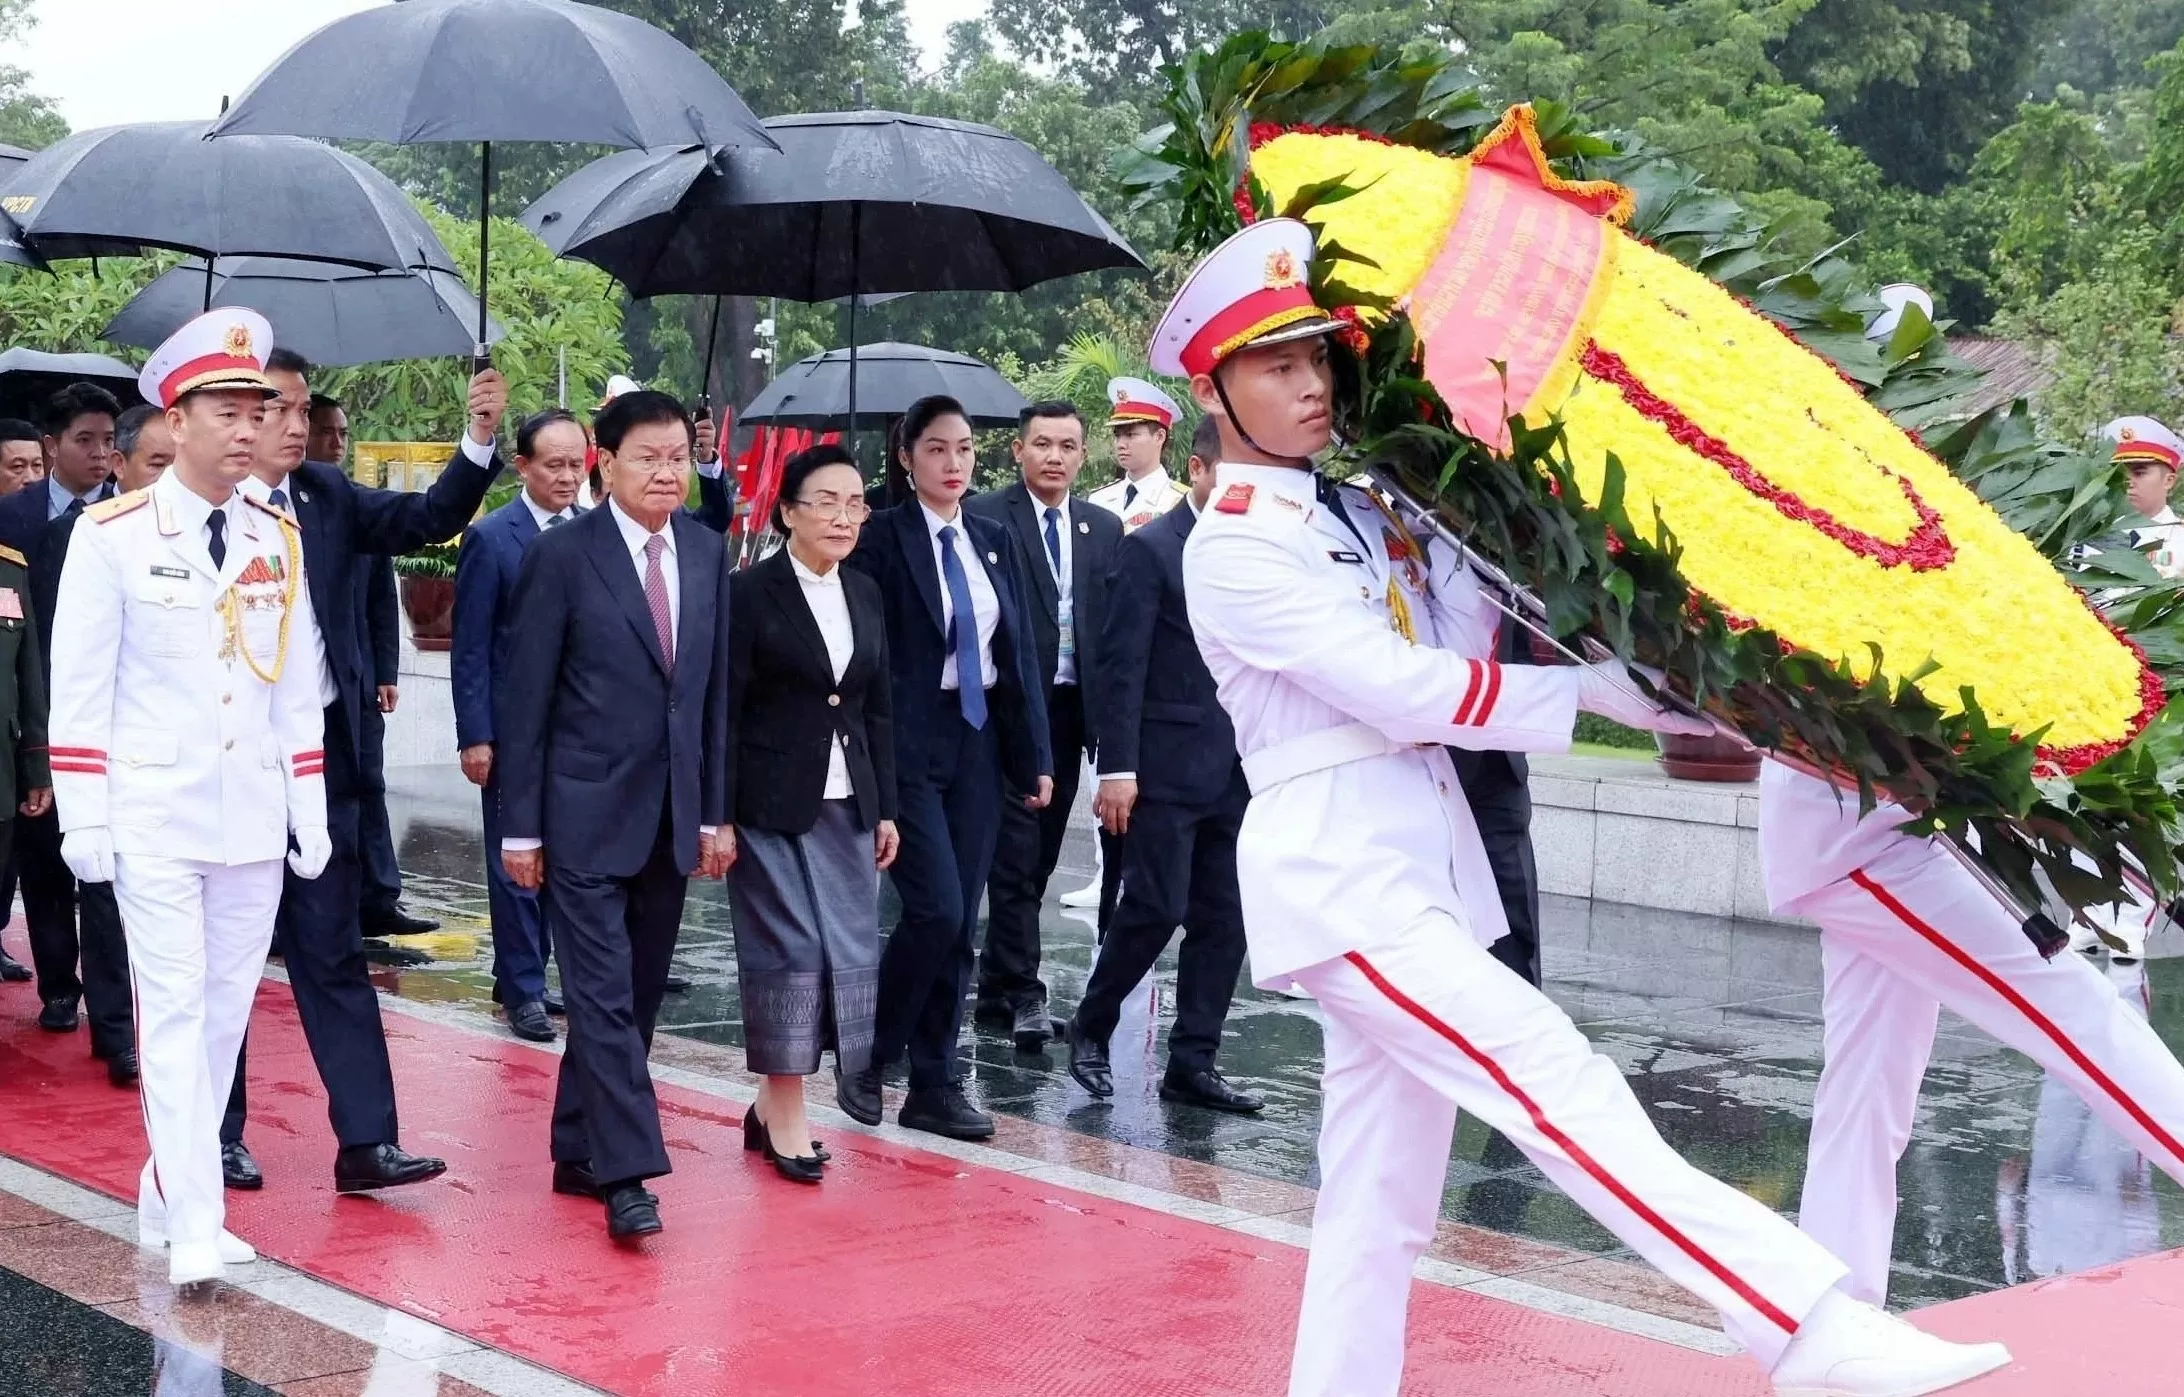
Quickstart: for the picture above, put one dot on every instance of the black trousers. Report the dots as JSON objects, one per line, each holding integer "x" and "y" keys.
{"x": 381, "y": 877}
{"x": 614, "y": 938}
{"x": 1179, "y": 867}
{"x": 322, "y": 943}
{"x": 69, "y": 926}
{"x": 1024, "y": 855}
{"x": 950, "y": 816}
{"x": 1501, "y": 801}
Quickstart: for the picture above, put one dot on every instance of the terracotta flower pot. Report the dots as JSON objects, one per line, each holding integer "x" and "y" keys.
{"x": 1706, "y": 758}
{"x": 430, "y": 605}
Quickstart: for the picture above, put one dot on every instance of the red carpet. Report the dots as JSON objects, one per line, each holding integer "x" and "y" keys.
{"x": 906, "y": 1273}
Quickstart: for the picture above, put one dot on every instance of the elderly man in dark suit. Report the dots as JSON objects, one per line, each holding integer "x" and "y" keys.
{"x": 612, "y": 748}
{"x": 1063, "y": 548}
{"x": 1171, "y": 780}
{"x": 550, "y": 448}
{"x": 319, "y": 934}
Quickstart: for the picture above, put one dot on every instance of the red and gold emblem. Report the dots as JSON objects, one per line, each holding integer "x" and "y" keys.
{"x": 1281, "y": 270}
{"x": 237, "y": 343}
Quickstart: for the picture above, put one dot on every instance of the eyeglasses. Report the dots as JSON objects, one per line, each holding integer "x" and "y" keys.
{"x": 852, "y": 511}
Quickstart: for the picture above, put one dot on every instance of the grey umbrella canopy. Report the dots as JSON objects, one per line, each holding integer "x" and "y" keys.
{"x": 332, "y": 315}
{"x": 28, "y": 376}
{"x": 162, "y": 184}
{"x": 494, "y": 70}
{"x": 817, "y": 392}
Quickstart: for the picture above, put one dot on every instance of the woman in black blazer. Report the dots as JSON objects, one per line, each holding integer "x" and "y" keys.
{"x": 812, "y": 794}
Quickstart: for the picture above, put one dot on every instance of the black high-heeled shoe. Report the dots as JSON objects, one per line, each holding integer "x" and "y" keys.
{"x": 754, "y": 1138}
{"x": 802, "y": 1169}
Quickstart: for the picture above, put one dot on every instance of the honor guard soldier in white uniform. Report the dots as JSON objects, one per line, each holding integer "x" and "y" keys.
{"x": 1142, "y": 418}
{"x": 186, "y": 751}
{"x": 1345, "y": 670}
{"x": 2150, "y": 454}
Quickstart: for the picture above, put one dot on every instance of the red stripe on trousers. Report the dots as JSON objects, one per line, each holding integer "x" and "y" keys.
{"x": 1471, "y": 693}
{"x": 1577, "y": 1154}
{"x": 2022, "y": 1005}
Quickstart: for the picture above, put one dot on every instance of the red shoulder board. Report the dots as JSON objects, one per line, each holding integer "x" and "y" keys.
{"x": 1235, "y": 500}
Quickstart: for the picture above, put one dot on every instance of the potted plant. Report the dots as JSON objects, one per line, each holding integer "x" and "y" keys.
{"x": 428, "y": 594}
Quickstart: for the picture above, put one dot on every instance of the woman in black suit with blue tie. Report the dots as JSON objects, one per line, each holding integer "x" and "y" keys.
{"x": 811, "y": 788}
{"x": 969, "y": 710}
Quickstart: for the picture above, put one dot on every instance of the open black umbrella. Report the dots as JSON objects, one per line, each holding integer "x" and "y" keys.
{"x": 867, "y": 201}
{"x": 331, "y": 315}
{"x": 494, "y": 70}
{"x": 888, "y": 378}
{"x": 162, "y": 184}
{"x": 29, "y": 376}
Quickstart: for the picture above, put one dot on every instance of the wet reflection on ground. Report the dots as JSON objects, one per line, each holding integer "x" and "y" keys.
{"x": 1716, "y": 1023}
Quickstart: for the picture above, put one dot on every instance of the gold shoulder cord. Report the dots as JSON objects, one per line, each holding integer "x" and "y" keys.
{"x": 1399, "y": 611}
{"x": 239, "y": 639}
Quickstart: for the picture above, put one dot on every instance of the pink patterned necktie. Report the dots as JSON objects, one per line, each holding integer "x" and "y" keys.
{"x": 663, "y": 620}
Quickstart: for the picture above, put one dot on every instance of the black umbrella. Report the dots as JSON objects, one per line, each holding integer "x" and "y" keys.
{"x": 331, "y": 315}
{"x": 821, "y": 392}
{"x": 865, "y": 201}
{"x": 29, "y": 376}
{"x": 162, "y": 184}
{"x": 494, "y": 70}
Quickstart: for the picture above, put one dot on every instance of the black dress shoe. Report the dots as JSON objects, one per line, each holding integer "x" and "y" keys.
{"x": 398, "y": 923}
{"x": 993, "y": 1013}
{"x": 1031, "y": 1027}
{"x": 554, "y": 1005}
{"x": 1088, "y": 1064}
{"x": 1203, "y": 1086}
{"x": 575, "y": 1179}
{"x": 12, "y": 970}
{"x": 631, "y": 1212}
{"x": 945, "y": 1111}
{"x": 529, "y": 1022}
{"x": 238, "y": 1170}
{"x": 362, "y": 1168}
{"x": 121, "y": 1068}
{"x": 58, "y": 1016}
{"x": 858, "y": 1094}
{"x": 677, "y": 984}
{"x": 797, "y": 1168}
{"x": 401, "y": 957}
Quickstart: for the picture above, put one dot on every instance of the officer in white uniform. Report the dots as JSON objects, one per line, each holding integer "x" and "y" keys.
{"x": 186, "y": 751}
{"x": 1142, "y": 418}
{"x": 2149, "y": 454}
{"x": 1364, "y": 879}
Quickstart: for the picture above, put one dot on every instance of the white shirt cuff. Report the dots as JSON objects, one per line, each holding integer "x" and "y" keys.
{"x": 1118, "y": 776}
{"x": 474, "y": 453}
{"x": 710, "y": 469}
{"x": 521, "y": 846}
{"x": 709, "y": 829}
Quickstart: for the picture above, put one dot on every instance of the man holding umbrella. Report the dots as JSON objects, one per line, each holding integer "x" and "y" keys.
{"x": 342, "y": 524}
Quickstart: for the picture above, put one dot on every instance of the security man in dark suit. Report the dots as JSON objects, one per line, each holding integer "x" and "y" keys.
{"x": 1064, "y": 547}
{"x": 380, "y": 621}
{"x": 970, "y": 719}
{"x": 319, "y": 935}
{"x": 612, "y": 749}
{"x": 80, "y": 422}
{"x": 1171, "y": 780}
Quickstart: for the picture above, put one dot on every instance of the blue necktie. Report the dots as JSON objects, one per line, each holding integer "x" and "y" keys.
{"x": 278, "y": 498}
{"x": 963, "y": 633}
{"x": 1054, "y": 537}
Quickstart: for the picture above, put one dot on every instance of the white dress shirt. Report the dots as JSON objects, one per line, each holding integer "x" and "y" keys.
{"x": 634, "y": 538}
{"x": 829, "y": 605}
{"x": 985, "y": 602}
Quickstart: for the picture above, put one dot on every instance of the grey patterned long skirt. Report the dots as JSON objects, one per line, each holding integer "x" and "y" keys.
{"x": 807, "y": 927}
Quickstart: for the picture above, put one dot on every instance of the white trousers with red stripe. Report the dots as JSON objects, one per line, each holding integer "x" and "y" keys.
{"x": 1912, "y": 931}
{"x": 197, "y": 934}
{"x": 1428, "y": 1022}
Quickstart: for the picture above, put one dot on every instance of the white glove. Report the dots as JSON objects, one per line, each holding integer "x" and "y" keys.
{"x": 89, "y": 854}
{"x": 313, "y": 849}
{"x": 1606, "y": 688}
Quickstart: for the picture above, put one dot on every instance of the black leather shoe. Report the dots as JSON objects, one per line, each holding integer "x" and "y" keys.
{"x": 398, "y": 923}
{"x": 993, "y": 1013}
{"x": 1088, "y": 1064}
{"x": 631, "y": 1212}
{"x": 529, "y": 1022}
{"x": 797, "y": 1168}
{"x": 400, "y": 957}
{"x": 1032, "y": 1028}
{"x": 121, "y": 1068}
{"x": 238, "y": 1170}
{"x": 1203, "y": 1086}
{"x": 575, "y": 1179}
{"x": 678, "y": 984}
{"x": 362, "y": 1168}
{"x": 945, "y": 1111}
{"x": 12, "y": 970}
{"x": 554, "y": 1005}
{"x": 58, "y": 1016}
{"x": 858, "y": 1094}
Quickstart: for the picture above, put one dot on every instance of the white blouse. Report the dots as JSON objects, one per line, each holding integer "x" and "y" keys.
{"x": 830, "y": 608}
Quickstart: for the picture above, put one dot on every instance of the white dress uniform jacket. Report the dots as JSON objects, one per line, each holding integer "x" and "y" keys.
{"x": 1136, "y": 507}
{"x": 164, "y": 728}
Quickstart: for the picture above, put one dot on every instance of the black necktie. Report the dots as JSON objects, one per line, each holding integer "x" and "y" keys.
{"x": 279, "y": 498}
{"x": 1054, "y": 538}
{"x": 553, "y": 519}
{"x": 75, "y": 507}
{"x": 216, "y": 530}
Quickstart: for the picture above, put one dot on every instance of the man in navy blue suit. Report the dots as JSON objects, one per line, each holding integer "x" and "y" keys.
{"x": 550, "y": 458}
{"x": 611, "y": 732}
{"x": 319, "y": 933}
{"x": 1170, "y": 779}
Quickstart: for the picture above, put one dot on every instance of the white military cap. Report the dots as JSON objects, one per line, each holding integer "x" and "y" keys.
{"x": 2145, "y": 439}
{"x": 1135, "y": 400}
{"x": 1253, "y": 289}
{"x": 220, "y": 349}
{"x": 1894, "y": 297}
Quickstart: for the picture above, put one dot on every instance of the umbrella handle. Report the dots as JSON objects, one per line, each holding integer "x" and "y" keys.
{"x": 481, "y": 357}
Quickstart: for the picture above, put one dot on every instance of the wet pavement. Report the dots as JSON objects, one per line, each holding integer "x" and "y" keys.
{"x": 1716, "y": 1023}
